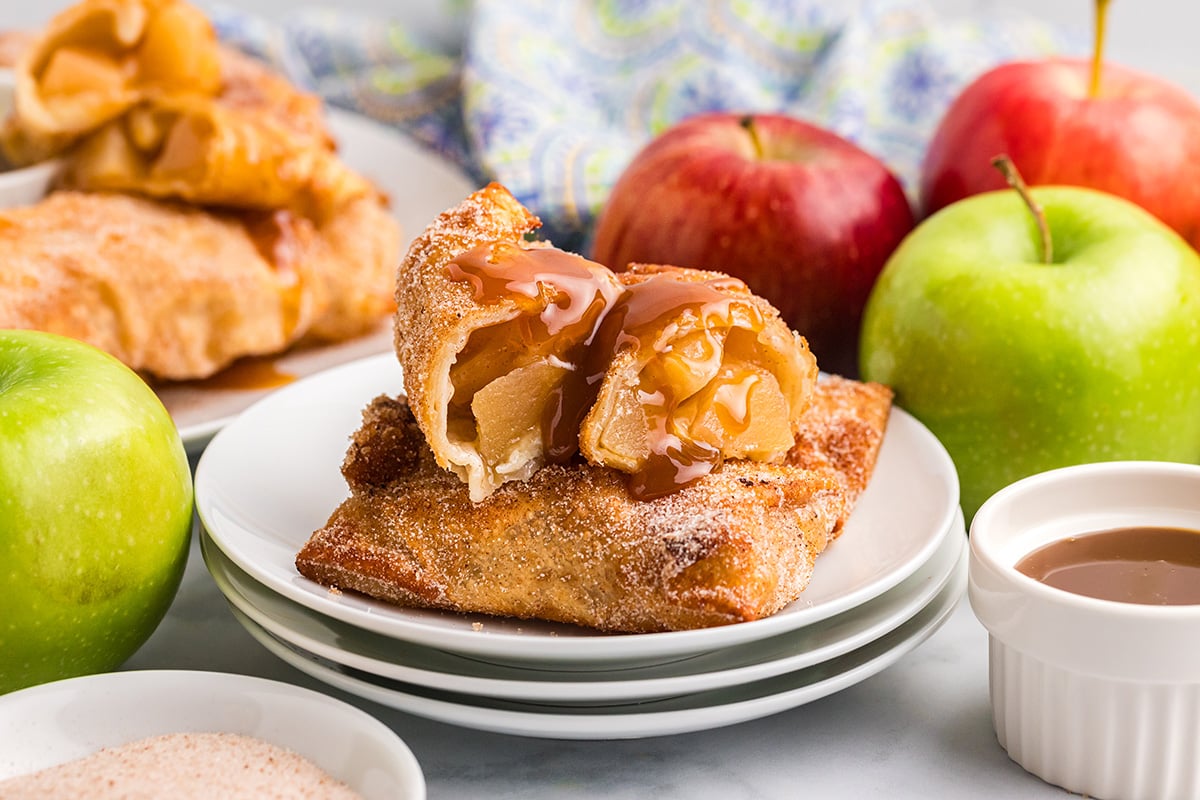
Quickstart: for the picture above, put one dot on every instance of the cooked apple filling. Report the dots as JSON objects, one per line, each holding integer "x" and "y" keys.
{"x": 516, "y": 396}
{"x": 193, "y": 149}
{"x": 701, "y": 371}
{"x": 97, "y": 60}
{"x": 517, "y": 355}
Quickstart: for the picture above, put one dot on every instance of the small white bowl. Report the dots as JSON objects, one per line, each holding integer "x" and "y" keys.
{"x": 61, "y": 721}
{"x": 27, "y": 185}
{"x": 1097, "y": 696}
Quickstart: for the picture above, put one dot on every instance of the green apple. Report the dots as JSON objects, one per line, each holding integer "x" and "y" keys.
{"x": 1018, "y": 365}
{"x": 95, "y": 509}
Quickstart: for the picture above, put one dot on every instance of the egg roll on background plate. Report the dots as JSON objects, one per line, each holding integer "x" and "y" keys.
{"x": 99, "y": 58}
{"x": 177, "y": 292}
{"x": 193, "y": 149}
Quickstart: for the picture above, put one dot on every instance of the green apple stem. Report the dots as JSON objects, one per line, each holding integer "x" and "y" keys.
{"x": 1098, "y": 46}
{"x": 747, "y": 122}
{"x": 1009, "y": 170}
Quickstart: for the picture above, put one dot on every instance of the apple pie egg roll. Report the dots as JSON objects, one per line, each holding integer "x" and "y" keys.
{"x": 194, "y": 149}
{"x": 178, "y": 292}
{"x": 517, "y": 354}
{"x": 570, "y": 544}
{"x": 491, "y": 331}
{"x": 99, "y": 58}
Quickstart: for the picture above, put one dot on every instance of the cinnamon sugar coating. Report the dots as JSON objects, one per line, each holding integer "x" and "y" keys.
{"x": 570, "y": 544}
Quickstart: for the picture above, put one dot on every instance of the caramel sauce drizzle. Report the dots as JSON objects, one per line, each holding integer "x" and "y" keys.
{"x": 566, "y": 294}
{"x": 563, "y": 295}
{"x": 278, "y": 237}
{"x": 646, "y": 318}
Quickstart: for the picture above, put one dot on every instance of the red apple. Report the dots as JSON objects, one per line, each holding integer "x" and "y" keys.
{"x": 804, "y": 217}
{"x": 1075, "y": 122}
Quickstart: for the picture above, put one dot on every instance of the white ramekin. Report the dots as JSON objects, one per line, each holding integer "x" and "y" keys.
{"x": 1097, "y": 696}
{"x": 27, "y": 185}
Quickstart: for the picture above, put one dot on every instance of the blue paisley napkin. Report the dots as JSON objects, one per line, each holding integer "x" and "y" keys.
{"x": 554, "y": 97}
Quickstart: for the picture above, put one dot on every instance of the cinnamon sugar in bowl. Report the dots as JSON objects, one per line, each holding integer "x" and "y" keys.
{"x": 196, "y": 735}
{"x": 1097, "y": 694}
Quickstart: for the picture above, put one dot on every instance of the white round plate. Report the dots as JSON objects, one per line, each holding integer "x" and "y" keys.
{"x": 419, "y": 185}
{"x": 682, "y": 714}
{"x": 62, "y": 721}
{"x": 272, "y": 477}
{"x": 385, "y": 657}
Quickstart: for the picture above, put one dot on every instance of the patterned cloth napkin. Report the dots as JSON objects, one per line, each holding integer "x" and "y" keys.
{"x": 553, "y": 97}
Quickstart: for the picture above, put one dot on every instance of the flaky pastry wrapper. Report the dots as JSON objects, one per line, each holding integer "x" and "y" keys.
{"x": 198, "y": 150}
{"x": 571, "y": 543}
{"x": 178, "y": 292}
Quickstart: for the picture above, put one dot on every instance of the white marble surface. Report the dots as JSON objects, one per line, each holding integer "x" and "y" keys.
{"x": 921, "y": 729}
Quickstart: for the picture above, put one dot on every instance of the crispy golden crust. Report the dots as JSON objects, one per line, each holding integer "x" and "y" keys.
{"x": 571, "y": 545}
{"x": 841, "y": 432}
{"x": 177, "y": 292}
{"x": 248, "y": 84}
{"x": 435, "y": 319}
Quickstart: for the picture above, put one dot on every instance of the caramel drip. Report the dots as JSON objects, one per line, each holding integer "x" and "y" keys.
{"x": 277, "y": 237}
{"x": 563, "y": 295}
{"x": 249, "y": 374}
{"x": 646, "y": 317}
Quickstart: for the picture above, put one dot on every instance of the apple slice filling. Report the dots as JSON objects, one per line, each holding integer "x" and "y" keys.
{"x": 707, "y": 373}
{"x": 517, "y": 389}
{"x": 504, "y": 387}
{"x": 672, "y": 432}
{"x": 96, "y": 61}
{"x": 662, "y": 375}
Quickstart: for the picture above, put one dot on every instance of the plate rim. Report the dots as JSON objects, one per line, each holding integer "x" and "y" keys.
{"x": 599, "y": 725}
{"x": 621, "y": 687}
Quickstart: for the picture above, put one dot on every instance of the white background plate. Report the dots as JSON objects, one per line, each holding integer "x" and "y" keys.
{"x": 419, "y": 186}
{"x": 62, "y": 721}
{"x": 403, "y": 661}
{"x": 683, "y": 714}
{"x": 272, "y": 477}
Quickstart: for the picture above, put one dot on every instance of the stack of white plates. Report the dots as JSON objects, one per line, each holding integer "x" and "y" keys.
{"x": 272, "y": 477}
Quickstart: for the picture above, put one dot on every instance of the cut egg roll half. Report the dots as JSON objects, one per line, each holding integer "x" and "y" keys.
{"x": 697, "y": 370}
{"x": 492, "y": 332}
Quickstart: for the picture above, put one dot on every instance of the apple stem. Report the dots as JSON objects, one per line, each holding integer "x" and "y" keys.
{"x": 1098, "y": 46}
{"x": 1009, "y": 170}
{"x": 747, "y": 122}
